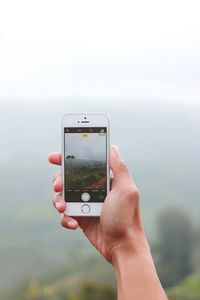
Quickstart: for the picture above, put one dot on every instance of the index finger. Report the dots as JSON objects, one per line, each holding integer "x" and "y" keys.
{"x": 55, "y": 158}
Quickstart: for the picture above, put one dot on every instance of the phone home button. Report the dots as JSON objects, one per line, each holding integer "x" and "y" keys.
{"x": 85, "y": 208}
{"x": 85, "y": 197}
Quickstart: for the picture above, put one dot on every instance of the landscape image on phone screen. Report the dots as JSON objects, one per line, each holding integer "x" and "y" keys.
{"x": 85, "y": 159}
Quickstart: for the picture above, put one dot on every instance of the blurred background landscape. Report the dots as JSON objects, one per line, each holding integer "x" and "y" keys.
{"x": 140, "y": 64}
{"x": 160, "y": 144}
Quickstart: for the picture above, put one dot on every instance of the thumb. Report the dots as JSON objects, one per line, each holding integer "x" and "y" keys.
{"x": 119, "y": 167}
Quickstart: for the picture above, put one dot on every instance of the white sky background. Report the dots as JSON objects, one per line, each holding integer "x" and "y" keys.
{"x": 92, "y": 147}
{"x": 105, "y": 49}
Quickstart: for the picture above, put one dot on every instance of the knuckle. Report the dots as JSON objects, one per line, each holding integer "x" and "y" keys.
{"x": 54, "y": 200}
{"x": 54, "y": 197}
{"x": 130, "y": 191}
{"x": 62, "y": 220}
{"x": 57, "y": 175}
{"x": 123, "y": 165}
{"x": 134, "y": 189}
{"x": 62, "y": 223}
{"x": 135, "y": 193}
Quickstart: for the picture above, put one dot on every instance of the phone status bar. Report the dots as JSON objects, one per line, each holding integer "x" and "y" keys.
{"x": 85, "y": 129}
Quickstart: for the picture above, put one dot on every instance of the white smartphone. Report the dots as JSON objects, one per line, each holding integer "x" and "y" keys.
{"x": 85, "y": 162}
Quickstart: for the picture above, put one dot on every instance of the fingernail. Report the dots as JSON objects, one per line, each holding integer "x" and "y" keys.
{"x": 57, "y": 205}
{"x": 72, "y": 223}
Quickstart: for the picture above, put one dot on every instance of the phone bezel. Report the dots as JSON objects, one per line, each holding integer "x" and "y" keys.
{"x": 95, "y": 120}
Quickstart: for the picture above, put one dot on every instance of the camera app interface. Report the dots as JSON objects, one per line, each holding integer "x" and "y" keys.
{"x": 85, "y": 164}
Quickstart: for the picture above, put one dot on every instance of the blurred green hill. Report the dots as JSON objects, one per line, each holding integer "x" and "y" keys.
{"x": 89, "y": 275}
{"x": 188, "y": 289}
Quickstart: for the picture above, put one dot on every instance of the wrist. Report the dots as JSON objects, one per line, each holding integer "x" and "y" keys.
{"x": 133, "y": 255}
{"x": 133, "y": 246}
{"x": 135, "y": 271}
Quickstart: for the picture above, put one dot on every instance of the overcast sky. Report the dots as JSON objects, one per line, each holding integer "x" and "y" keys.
{"x": 92, "y": 147}
{"x": 105, "y": 49}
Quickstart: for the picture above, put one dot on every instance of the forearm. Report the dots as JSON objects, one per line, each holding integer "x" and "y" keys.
{"x": 136, "y": 274}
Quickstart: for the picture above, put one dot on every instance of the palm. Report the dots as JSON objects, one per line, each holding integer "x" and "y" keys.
{"x": 91, "y": 227}
{"x": 98, "y": 229}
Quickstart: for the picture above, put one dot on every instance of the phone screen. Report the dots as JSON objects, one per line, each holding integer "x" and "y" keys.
{"x": 85, "y": 164}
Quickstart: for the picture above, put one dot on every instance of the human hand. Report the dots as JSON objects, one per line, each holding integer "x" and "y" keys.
{"x": 118, "y": 233}
{"x": 119, "y": 225}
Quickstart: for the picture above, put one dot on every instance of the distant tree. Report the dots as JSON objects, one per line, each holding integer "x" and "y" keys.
{"x": 95, "y": 291}
{"x": 70, "y": 156}
{"x": 72, "y": 296}
{"x": 34, "y": 293}
{"x": 196, "y": 251}
{"x": 175, "y": 236}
